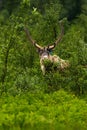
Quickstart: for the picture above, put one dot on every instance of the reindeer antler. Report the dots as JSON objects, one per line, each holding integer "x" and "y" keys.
{"x": 31, "y": 40}
{"x": 49, "y": 47}
{"x": 28, "y": 36}
{"x": 62, "y": 32}
{"x": 59, "y": 38}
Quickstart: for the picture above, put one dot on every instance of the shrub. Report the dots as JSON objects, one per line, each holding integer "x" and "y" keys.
{"x": 43, "y": 111}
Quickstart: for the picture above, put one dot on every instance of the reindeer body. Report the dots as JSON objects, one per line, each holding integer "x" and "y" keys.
{"x": 53, "y": 59}
{"x": 44, "y": 52}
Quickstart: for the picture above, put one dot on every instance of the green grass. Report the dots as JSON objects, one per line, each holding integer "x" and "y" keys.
{"x": 40, "y": 111}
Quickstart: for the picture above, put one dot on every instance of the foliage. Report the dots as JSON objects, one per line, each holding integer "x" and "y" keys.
{"x": 17, "y": 55}
{"x": 27, "y": 98}
{"x": 42, "y": 111}
{"x": 50, "y": 65}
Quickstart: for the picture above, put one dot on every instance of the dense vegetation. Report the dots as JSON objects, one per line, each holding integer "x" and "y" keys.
{"x": 58, "y": 110}
{"x": 29, "y": 100}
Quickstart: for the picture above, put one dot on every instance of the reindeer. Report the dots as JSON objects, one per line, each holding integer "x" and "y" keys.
{"x": 44, "y": 52}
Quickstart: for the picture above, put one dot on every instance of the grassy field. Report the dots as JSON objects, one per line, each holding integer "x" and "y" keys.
{"x": 40, "y": 111}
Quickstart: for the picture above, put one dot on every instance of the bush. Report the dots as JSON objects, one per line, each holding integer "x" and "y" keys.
{"x": 43, "y": 111}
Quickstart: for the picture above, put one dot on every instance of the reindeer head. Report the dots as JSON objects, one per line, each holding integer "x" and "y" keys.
{"x": 45, "y": 51}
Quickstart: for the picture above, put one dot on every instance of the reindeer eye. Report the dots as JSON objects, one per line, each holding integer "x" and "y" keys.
{"x": 40, "y": 52}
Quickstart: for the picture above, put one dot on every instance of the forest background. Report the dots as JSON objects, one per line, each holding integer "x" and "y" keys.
{"x": 29, "y": 100}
